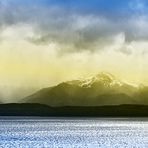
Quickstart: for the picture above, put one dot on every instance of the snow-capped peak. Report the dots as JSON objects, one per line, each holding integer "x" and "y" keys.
{"x": 104, "y": 78}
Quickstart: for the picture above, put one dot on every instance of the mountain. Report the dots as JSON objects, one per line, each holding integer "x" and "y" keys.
{"x": 102, "y": 89}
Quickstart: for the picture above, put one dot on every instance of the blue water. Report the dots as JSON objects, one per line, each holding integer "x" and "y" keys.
{"x": 73, "y": 133}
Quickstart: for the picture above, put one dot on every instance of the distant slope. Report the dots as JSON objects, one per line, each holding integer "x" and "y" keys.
{"x": 96, "y": 111}
{"x": 102, "y": 89}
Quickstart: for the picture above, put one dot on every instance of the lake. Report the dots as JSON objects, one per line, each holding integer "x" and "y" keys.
{"x": 31, "y": 132}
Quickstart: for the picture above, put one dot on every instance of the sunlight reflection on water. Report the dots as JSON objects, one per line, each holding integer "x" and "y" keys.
{"x": 73, "y": 133}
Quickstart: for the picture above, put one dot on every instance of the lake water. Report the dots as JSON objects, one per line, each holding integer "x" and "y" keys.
{"x": 73, "y": 133}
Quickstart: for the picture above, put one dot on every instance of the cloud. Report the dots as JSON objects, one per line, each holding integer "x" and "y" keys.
{"x": 74, "y": 31}
{"x": 79, "y": 32}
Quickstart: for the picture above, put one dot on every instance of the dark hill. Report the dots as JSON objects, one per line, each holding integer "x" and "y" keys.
{"x": 102, "y": 111}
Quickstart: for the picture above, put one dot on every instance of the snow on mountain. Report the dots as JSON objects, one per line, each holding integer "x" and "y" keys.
{"x": 104, "y": 78}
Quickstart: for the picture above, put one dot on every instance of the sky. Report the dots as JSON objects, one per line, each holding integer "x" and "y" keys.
{"x": 45, "y": 42}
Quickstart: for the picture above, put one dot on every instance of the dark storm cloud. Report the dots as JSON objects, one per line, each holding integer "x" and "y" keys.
{"x": 83, "y": 26}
